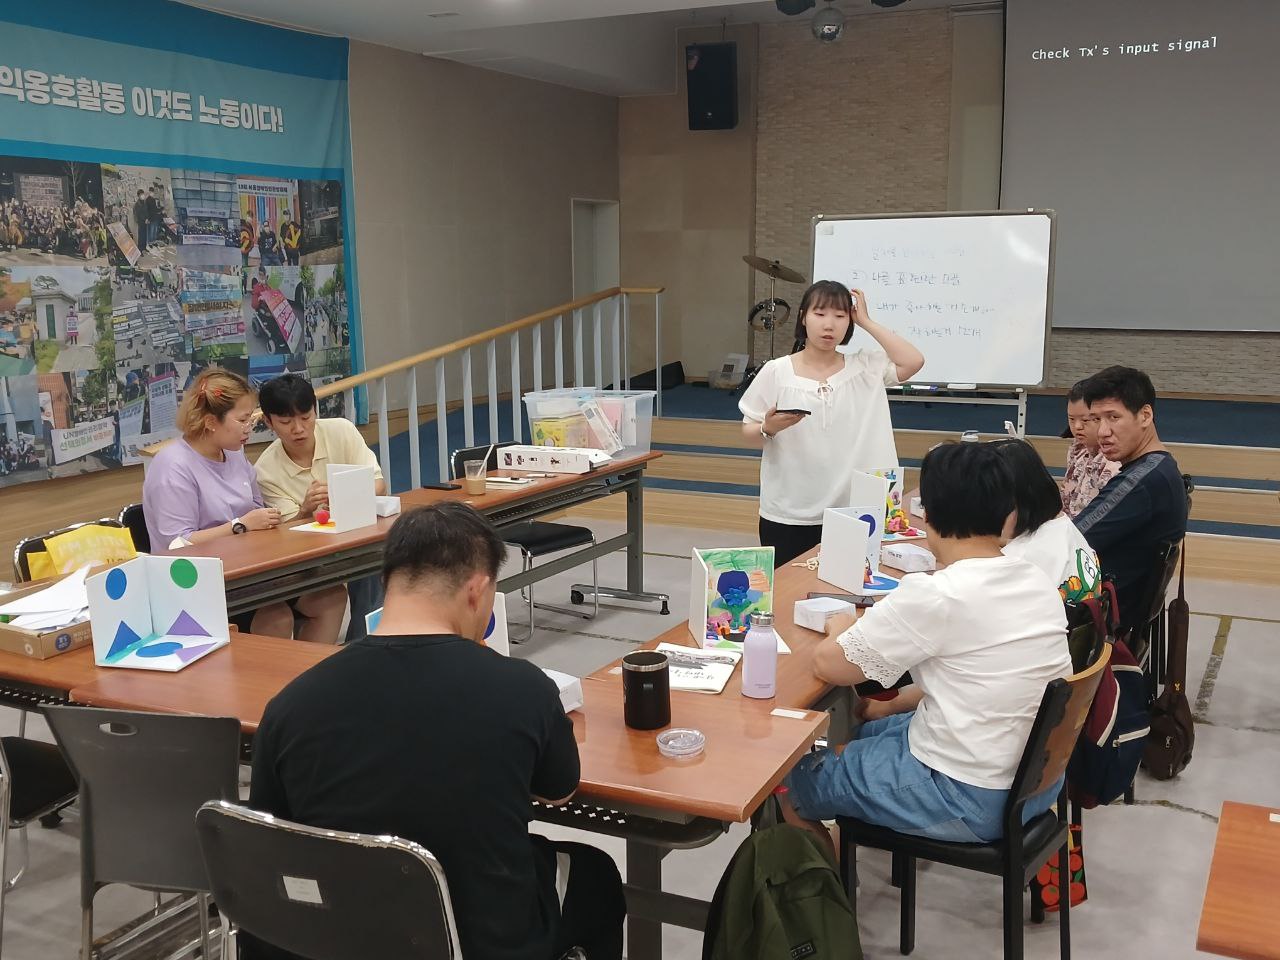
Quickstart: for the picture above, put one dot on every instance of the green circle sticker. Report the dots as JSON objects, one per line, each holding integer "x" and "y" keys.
{"x": 184, "y": 574}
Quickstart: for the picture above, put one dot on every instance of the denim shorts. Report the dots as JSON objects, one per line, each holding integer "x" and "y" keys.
{"x": 878, "y": 780}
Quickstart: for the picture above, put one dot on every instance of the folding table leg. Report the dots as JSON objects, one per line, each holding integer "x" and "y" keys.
{"x": 644, "y": 869}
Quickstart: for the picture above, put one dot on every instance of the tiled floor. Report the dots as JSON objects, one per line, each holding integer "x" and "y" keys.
{"x": 1146, "y": 864}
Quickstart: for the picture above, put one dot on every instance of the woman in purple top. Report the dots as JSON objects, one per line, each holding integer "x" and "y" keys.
{"x": 201, "y": 486}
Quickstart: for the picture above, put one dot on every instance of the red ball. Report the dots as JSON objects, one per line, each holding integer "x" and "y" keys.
{"x": 322, "y": 516}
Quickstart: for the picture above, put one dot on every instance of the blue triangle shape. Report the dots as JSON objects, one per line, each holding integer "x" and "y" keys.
{"x": 186, "y": 626}
{"x": 125, "y": 638}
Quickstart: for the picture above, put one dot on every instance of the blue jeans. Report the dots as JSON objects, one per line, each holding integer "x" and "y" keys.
{"x": 878, "y": 780}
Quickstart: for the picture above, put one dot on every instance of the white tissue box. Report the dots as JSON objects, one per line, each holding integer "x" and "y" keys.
{"x": 570, "y": 689}
{"x": 813, "y": 614}
{"x": 386, "y": 506}
{"x": 907, "y": 557}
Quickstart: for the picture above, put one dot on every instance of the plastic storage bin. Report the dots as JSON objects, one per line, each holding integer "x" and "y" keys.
{"x": 619, "y": 422}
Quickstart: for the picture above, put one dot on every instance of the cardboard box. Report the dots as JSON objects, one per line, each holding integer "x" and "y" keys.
{"x": 570, "y": 689}
{"x": 814, "y": 613}
{"x": 908, "y": 557}
{"x": 572, "y": 431}
{"x": 550, "y": 459}
{"x": 41, "y": 645}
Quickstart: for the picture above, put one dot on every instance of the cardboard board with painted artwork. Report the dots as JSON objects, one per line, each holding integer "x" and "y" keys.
{"x": 158, "y": 613}
{"x": 728, "y": 586}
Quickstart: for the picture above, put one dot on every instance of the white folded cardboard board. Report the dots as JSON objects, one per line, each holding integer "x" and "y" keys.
{"x": 846, "y": 538}
{"x": 158, "y": 613}
{"x": 352, "y": 501}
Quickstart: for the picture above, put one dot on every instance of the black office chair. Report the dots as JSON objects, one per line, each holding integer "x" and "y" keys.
{"x": 35, "y": 783}
{"x": 1023, "y": 850}
{"x": 325, "y": 894}
{"x": 29, "y": 545}
{"x": 133, "y": 520}
{"x": 535, "y": 539}
{"x": 142, "y": 778}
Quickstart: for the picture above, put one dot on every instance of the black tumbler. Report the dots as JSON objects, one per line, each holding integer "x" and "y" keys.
{"x": 646, "y": 690}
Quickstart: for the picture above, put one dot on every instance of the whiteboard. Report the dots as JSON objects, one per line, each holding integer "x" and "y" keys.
{"x": 970, "y": 290}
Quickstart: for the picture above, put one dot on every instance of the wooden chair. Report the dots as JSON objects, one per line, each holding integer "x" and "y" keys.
{"x": 1024, "y": 848}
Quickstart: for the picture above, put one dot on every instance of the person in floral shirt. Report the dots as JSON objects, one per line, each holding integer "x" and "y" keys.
{"x": 1087, "y": 469}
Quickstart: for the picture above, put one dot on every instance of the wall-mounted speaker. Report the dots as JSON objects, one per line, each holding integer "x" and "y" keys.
{"x": 711, "y": 71}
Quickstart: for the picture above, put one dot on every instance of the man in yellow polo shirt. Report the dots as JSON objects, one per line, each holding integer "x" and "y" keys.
{"x": 292, "y": 472}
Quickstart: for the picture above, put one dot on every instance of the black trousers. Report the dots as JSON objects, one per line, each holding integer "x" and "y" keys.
{"x": 788, "y": 540}
{"x": 593, "y": 908}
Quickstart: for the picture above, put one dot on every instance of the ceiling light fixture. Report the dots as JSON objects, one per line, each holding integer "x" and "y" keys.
{"x": 828, "y": 23}
{"x": 793, "y": 8}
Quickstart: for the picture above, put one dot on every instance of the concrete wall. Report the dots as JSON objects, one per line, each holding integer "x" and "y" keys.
{"x": 463, "y": 181}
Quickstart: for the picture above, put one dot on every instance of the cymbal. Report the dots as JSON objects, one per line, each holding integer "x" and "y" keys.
{"x": 774, "y": 269}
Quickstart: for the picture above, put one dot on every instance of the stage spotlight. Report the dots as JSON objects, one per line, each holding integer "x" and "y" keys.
{"x": 792, "y": 8}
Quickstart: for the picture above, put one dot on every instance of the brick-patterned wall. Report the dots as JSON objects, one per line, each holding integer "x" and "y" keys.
{"x": 856, "y": 126}
{"x": 1227, "y": 363}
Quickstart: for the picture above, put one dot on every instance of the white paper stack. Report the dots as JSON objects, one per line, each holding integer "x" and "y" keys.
{"x": 60, "y": 605}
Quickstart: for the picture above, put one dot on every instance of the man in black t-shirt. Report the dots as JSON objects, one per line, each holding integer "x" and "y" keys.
{"x": 1144, "y": 504}
{"x": 421, "y": 731}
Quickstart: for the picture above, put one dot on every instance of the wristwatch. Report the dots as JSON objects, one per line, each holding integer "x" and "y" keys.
{"x": 767, "y": 436}
{"x": 237, "y": 526}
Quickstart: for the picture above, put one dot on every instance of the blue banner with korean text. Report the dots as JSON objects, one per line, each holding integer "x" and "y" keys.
{"x": 175, "y": 192}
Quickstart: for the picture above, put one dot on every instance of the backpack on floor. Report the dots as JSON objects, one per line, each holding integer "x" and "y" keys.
{"x": 781, "y": 899}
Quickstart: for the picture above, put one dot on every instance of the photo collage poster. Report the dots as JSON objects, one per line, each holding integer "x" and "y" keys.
{"x": 120, "y": 282}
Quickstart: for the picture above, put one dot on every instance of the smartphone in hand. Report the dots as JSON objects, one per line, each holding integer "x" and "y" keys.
{"x": 796, "y": 411}
{"x": 857, "y": 599}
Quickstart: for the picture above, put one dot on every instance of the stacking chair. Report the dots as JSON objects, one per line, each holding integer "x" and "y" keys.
{"x": 535, "y": 539}
{"x": 324, "y": 894}
{"x": 142, "y": 778}
{"x": 28, "y": 545}
{"x": 133, "y": 520}
{"x": 35, "y": 782}
{"x": 1023, "y": 849}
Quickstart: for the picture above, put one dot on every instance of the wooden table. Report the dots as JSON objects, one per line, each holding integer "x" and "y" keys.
{"x": 265, "y": 566}
{"x": 236, "y": 681}
{"x": 1239, "y": 918}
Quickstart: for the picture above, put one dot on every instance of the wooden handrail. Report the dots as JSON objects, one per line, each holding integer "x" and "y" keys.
{"x": 515, "y": 326}
{"x": 435, "y": 353}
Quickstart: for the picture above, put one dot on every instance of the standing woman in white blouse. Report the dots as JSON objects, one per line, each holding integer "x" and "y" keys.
{"x": 808, "y": 455}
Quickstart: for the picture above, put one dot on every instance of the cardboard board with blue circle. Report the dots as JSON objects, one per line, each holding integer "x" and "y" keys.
{"x": 158, "y": 613}
{"x": 851, "y": 538}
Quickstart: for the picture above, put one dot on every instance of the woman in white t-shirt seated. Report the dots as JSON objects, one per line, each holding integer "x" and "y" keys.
{"x": 819, "y": 414}
{"x": 1041, "y": 532}
{"x": 982, "y": 637}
